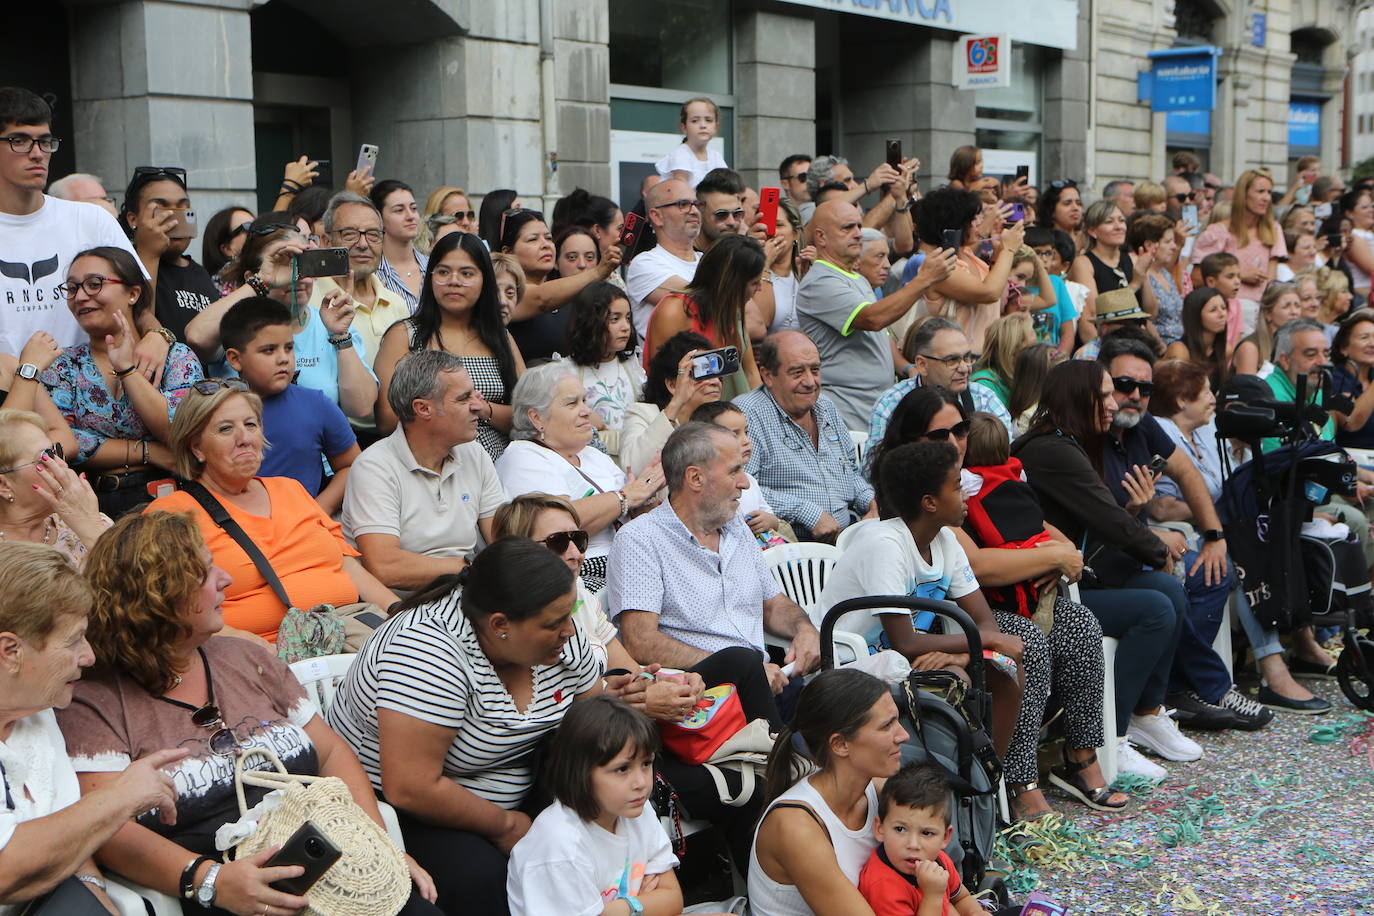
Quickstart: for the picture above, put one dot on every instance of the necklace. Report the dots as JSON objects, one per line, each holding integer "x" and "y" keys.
{"x": 49, "y": 531}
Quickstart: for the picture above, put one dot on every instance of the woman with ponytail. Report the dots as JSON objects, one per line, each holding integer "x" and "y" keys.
{"x": 822, "y": 796}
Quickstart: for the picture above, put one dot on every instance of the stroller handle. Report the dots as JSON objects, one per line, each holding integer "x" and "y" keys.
{"x": 947, "y": 609}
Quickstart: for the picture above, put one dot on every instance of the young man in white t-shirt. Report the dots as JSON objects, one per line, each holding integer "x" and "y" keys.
{"x": 41, "y": 235}
{"x": 669, "y": 266}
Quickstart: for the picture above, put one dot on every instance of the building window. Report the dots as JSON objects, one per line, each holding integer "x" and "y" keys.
{"x": 1008, "y": 123}
{"x": 672, "y": 44}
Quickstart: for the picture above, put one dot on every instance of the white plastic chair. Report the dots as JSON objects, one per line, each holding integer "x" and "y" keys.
{"x": 1222, "y": 643}
{"x": 860, "y": 440}
{"x": 321, "y": 677}
{"x": 1106, "y": 754}
{"x": 800, "y": 571}
{"x": 129, "y": 898}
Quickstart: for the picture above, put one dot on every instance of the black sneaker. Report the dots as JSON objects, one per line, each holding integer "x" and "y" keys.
{"x": 1254, "y": 715}
{"x": 1192, "y": 711}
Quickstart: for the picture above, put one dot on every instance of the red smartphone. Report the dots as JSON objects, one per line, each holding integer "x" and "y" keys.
{"x": 629, "y": 233}
{"x": 768, "y": 210}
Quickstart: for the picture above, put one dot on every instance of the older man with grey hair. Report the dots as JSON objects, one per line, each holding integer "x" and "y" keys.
{"x": 417, "y": 501}
{"x": 687, "y": 579}
{"x": 1300, "y": 350}
{"x": 85, "y": 188}
{"x": 352, "y": 222}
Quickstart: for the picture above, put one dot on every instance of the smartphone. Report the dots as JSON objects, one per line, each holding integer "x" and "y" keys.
{"x": 715, "y": 363}
{"x": 185, "y": 225}
{"x": 1158, "y": 463}
{"x": 768, "y": 210}
{"x": 1189, "y": 215}
{"x": 1334, "y": 240}
{"x": 322, "y": 262}
{"x": 894, "y": 153}
{"x": 630, "y": 232}
{"x": 309, "y": 848}
{"x": 367, "y": 157}
{"x": 952, "y": 239}
{"x": 324, "y": 173}
{"x": 1018, "y": 212}
{"x": 1023, "y": 171}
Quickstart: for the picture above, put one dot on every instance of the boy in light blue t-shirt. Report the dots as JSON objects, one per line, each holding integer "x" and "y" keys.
{"x": 1055, "y": 249}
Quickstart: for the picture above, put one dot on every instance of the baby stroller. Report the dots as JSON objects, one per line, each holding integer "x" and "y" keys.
{"x": 944, "y": 718}
{"x": 1292, "y": 579}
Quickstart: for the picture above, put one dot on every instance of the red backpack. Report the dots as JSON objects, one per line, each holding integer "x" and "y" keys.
{"x": 1005, "y": 513}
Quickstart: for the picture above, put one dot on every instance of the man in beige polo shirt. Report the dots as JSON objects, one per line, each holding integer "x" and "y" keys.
{"x": 418, "y": 500}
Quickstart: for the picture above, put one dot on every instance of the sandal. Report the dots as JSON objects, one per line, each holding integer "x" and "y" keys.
{"x": 1069, "y": 779}
{"x": 1015, "y": 792}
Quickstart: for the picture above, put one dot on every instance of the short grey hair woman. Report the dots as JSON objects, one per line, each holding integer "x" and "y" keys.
{"x": 551, "y": 452}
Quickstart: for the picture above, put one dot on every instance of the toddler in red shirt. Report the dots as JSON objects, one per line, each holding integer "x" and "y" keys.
{"x": 909, "y": 873}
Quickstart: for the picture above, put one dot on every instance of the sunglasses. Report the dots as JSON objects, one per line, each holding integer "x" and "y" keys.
{"x": 1061, "y": 185}
{"x": 558, "y": 541}
{"x": 215, "y": 385}
{"x": 958, "y": 431}
{"x": 535, "y": 214}
{"x": 51, "y": 452}
{"x": 719, "y": 215}
{"x": 1126, "y": 385}
{"x": 160, "y": 171}
{"x": 1184, "y": 198}
{"x": 223, "y": 741}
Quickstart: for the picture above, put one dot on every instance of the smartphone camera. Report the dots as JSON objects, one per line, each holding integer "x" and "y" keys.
{"x": 314, "y": 848}
{"x": 715, "y": 363}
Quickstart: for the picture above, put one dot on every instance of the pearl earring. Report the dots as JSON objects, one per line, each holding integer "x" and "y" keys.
{"x": 504, "y": 635}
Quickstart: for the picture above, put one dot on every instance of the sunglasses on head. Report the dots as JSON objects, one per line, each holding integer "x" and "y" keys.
{"x": 558, "y": 541}
{"x": 1065, "y": 183}
{"x": 214, "y": 385}
{"x": 153, "y": 172}
{"x": 536, "y": 214}
{"x": 1126, "y": 385}
{"x": 958, "y": 431}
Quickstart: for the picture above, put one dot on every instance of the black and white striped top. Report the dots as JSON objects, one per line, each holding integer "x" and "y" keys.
{"x": 427, "y": 663}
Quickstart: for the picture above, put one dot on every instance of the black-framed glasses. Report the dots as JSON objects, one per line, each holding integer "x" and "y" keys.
{"x": 53, "y": 451}
{"x": 350, "y": 235}
{"x": 1125, "y": 385}
{"x": 92, "y": 285}
{"x": 154, "y": 172}
{"x": 558, "y": 541}
{"x": 1184, "y": 198}
{"x": 242, "y": 228}
{"x": 800, "y": 176}
{"x": 215, "y": 385}
{"x": 23, "y": 143}
{"x": 958, "y": 431}
{"x": 223, "y": 741}
{"x": 681, "y": 206}
{"x": 951, "y": 362}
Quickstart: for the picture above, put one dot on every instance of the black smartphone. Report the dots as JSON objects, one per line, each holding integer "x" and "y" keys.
{"x": 894, "y": 153}
{"x": 1158, "y": 463}
{"x": 952, "y": 238}
{"x": 322, "y": 262}
{"x": 1334, "y": 240}
{"x": 324, "y": 173}
{"x": 715, "y": 363}
{"x": 1023, "y": 171}
{"x": 309, "y": 848}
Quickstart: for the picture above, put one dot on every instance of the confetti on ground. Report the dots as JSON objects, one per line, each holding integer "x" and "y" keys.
{"x": 1267, "y": 823}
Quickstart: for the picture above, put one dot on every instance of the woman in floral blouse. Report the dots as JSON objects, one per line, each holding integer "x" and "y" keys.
{"x": 120, "y": 418}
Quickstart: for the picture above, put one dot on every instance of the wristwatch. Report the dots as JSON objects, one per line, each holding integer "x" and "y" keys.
{"x": 205, "y": 894}
{"x": 1212, "y": 535}
{"x": 165, "y": 335}
{"x": 341, "y": 343}
{"x": 28, "y": 371}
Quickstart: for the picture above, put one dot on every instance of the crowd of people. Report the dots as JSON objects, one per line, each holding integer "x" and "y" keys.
{"x": 527, "y": 472}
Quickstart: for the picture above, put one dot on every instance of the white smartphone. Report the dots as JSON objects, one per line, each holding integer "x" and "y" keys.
{"x": 1190, "y": 218}
{"x": 367, "y": 157}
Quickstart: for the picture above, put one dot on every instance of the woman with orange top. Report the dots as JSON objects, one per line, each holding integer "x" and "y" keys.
{"x": 217, "y": 442}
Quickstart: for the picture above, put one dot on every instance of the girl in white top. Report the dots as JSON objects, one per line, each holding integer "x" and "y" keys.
{"x": 599, "y": 849}
{"x": 691, "y": 159}
{"x": 815, "y": 836}
{"x": 601, "y": 353}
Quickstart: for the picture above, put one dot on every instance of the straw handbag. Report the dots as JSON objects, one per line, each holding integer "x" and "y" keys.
{"x": 369, "y": 879}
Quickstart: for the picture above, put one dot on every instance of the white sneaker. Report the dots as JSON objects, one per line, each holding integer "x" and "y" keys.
{"x": 1159, "y": 734}
{"x": 1130, "y": 760}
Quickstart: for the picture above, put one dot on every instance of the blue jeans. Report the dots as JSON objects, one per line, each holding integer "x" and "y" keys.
{"x": 1263, "y": 643}
{"x": 1146, "y": 614}
{"x": 1196, "y": 664}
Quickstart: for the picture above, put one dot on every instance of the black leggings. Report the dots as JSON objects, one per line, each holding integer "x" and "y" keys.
{"x": 468, "y": 871}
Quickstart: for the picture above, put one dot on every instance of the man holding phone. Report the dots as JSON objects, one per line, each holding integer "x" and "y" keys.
{"x": 837, "y": 309}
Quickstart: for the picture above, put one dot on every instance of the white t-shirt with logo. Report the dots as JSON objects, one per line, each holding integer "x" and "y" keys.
{"x": 35, "y": 252}
{"x": 646, "y": 273}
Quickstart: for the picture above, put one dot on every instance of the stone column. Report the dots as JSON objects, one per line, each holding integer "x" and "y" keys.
{"x": 775, "y": 92}
{"x": 160, "y": 82}
{"x": 1066, "y": 112}
{"x": 582, "y": 62}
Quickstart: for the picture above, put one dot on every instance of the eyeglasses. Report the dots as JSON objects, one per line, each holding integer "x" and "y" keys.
{"x": 23, "y": 143}
{"x": 958, "y": 431}
{"x": 215, "y": 385}
{"x": 558, "y": 541}
{"x": 55, "y": 451}
{"x": 951, "y": 361}
{"x": 351, "y": 234}
{"x": 91, "y": 285}
{"x": 223, "y": 742}
{"x": 153, "y": 172}
{"x": 719, "y": 215}
{"x": 1126, "y": 384}
{"x": 1184, "y": 198}
{"x": 682, "y": 206}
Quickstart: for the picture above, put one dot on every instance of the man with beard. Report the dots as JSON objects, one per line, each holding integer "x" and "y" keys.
{"x": 1200, "y": 687}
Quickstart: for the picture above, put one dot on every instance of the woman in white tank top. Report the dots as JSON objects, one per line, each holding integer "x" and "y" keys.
{"x": 815, "y": 835}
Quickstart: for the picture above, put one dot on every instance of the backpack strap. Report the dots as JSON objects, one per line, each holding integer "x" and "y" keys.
{"x": 220, "y": 516}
